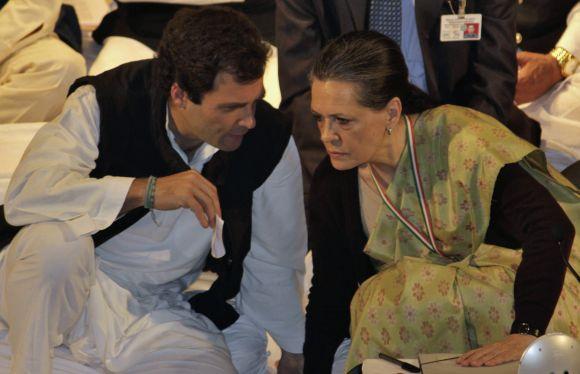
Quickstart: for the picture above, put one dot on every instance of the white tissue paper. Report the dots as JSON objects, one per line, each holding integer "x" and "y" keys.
{"x": 217, "y": 242}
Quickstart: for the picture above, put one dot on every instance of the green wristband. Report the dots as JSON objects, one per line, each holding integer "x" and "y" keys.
{"x": 150, "y": 193}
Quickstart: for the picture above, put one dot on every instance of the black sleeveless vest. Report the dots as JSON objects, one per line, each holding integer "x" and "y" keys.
{"x": 133, "y": 142}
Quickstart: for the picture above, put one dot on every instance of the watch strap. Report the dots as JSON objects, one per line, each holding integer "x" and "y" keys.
{"x": 525, "y": 328}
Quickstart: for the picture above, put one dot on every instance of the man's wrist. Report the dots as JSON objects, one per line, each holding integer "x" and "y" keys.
{"x": 136, "y": 195}
{"x": 566, "y": 61}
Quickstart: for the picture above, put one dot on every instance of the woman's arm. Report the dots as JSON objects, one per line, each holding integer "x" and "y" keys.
{"x": 526, "y": 211}
{"x": 525, "y": 214}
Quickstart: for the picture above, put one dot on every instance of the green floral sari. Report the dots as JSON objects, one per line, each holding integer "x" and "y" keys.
{"x": 423, "y": 302}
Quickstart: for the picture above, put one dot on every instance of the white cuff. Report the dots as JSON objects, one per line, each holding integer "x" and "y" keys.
{"x": 116, "y": 189}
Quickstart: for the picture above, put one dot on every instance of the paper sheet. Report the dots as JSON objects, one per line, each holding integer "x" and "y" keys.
{"x": 378, "y": 366}
{"x": 218, "y": 249}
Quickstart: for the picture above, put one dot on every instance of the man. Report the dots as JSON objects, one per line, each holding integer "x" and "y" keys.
{"x": 193, "y": 118}
{"x": 548, "y": 87}
{"x": 36, "y": 67}
{"x": 480, "y": 74}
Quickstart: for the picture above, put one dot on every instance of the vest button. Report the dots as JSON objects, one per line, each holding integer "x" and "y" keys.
{"x": 518, "y": 37}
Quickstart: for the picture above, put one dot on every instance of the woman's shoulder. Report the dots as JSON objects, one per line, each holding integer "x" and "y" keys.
{"x": 453, "y": 121}
{"x": 463, "y": 137}
{"x": 449, "y": 113}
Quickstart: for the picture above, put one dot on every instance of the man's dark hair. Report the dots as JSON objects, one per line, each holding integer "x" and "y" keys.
{"x": 375, "y": 64}
{"x": 197, "y": 44}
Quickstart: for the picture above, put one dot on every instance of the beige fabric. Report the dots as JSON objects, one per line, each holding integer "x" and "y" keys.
{"x": 36, "y": 68}
{"x": 22, "y": 22}
{"x": 118, "y": 50}
{"x": 34, "y": 81}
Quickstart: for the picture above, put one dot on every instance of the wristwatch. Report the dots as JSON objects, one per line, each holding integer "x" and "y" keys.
{"x": 566, "y": 60}
{"x": 525, "y": 328}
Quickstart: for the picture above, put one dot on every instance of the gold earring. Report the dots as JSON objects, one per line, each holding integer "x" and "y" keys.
{"x": 389, "y": 130}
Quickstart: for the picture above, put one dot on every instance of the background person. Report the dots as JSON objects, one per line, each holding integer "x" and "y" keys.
{"x": 548, "y": 87}
{"x": 36, "y": 67}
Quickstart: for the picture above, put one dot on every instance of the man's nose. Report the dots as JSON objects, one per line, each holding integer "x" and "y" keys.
{"x": 249, "y": 121}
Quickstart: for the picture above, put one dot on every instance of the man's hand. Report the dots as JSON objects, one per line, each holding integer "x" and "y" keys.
{"x": 291, "y": 363}
{"x": 188, "y": 189}
{"x": 509, "y": 349}
{"x": 537, "y": 73}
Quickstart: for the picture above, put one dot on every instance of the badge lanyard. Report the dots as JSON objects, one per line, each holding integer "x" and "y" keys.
{"x": 429, "y": 239}
{"x": 460, "y": 8}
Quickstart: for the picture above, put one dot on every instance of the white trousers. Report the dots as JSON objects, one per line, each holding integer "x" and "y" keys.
{"x": 52, "y": 292}
{"x": 34, "y": 81}
{"x": 558, "y": 111}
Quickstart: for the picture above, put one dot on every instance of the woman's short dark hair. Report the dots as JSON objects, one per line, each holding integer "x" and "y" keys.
{"x": 197, "y": 44}
{"x": 376, "y": 65}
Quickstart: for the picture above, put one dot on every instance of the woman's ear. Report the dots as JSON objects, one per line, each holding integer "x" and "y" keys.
{"x": 178, "y": 96}
{"x": 394, "y": 110}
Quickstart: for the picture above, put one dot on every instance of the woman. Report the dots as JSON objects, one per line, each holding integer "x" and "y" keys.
{"x": 418, "y": 216}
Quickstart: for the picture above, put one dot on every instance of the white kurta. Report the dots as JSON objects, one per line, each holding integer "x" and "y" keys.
{"x": 135, "y": 305}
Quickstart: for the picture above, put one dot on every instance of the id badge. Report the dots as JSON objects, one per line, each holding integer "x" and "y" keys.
{"x": 456, "y": 28}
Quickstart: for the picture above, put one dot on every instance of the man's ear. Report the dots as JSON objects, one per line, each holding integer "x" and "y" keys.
{"x": 178, "y": 96}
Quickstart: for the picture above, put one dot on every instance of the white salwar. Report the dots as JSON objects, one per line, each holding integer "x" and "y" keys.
{"x": 120, "y": 306}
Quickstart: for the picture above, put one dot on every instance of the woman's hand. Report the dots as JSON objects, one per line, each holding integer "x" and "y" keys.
{"x": 509, "y": 349}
